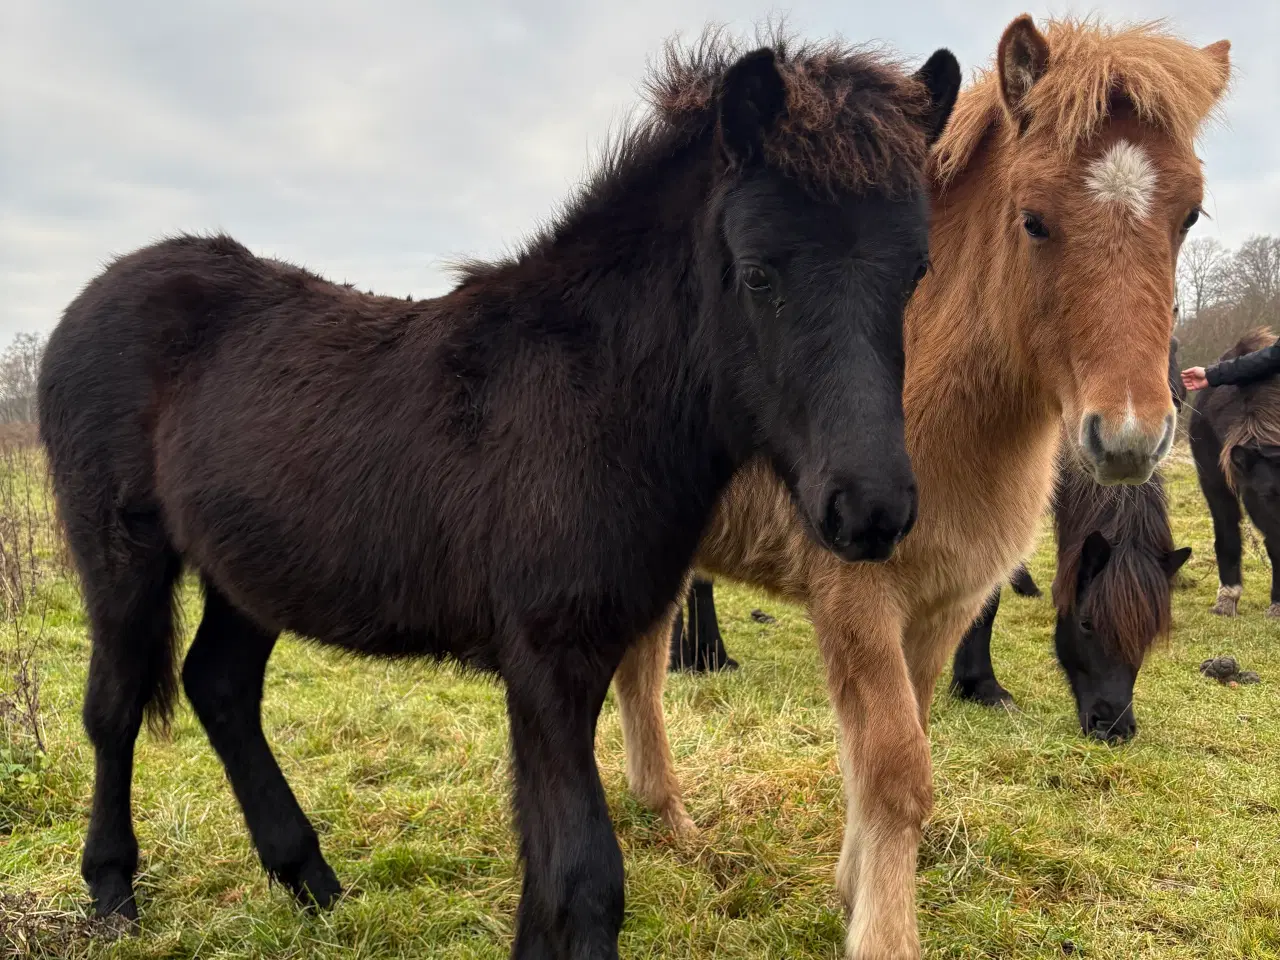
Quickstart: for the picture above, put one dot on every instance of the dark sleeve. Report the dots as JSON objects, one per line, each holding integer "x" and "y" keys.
{"x": 1251, "y": 367}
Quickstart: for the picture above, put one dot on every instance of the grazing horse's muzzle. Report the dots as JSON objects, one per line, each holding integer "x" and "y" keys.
{"x": 1105, "y": 721}
{"x": 1124, "y": 452}
{"x": 859, "y": 524}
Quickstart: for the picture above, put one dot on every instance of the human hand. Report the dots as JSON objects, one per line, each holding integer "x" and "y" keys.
{"x": 1193, "y": 378}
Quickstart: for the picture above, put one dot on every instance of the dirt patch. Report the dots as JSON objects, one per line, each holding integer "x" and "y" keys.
{"x": 31, "y": 930}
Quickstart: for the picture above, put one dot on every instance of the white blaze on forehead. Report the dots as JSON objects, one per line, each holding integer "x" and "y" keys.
{"x": 1126, "y": 176}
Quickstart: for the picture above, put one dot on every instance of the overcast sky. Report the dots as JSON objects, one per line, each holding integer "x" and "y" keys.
{"x": 371, "y": 141}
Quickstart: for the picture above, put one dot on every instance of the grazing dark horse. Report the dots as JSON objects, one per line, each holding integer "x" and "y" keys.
{"x": 515, "y": 475}
{"x": 699, "y": 647}
{"x": 1235, "y": 441}
{"x": 1114, "y": 599}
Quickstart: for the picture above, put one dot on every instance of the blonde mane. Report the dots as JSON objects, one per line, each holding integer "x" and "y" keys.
{"x": 1168, "y": 82}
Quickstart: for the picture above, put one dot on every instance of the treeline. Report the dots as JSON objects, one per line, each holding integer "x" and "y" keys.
{"x": 1223, "y": 293}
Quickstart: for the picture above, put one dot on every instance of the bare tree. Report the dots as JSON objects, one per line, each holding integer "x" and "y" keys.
{"x": 1255, "y": 278}
{"x": 1201, "y": 275}
{"x": 19, "y": 370}
{"x": 1224, "y": 293}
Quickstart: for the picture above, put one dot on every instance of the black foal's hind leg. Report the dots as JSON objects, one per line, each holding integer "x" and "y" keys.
{"x": 131, "y": 621}
{"x": 223, "y": 676}
{"x": 572, "y": 900}
{"x": 973, "y": 676}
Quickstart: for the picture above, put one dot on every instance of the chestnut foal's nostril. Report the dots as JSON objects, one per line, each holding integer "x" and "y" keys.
{"x": 1093, "y": 436}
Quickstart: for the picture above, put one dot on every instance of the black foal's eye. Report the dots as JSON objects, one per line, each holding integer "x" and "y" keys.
{"x": 1034, "y": 226}
{"x": 1191, "y": 220}
{"x": 1086, "y": 625}
{"x": 755, "y": 279}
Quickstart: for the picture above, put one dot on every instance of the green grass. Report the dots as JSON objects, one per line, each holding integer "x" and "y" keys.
{"x": 1040, "y": 842}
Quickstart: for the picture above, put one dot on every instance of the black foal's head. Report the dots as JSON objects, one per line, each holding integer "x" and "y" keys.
{"x": 821, "y": 235}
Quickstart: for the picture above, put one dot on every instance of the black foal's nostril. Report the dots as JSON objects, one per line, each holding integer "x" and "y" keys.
{"x": 835, "y": 523}
{"x": 913, "y": 510}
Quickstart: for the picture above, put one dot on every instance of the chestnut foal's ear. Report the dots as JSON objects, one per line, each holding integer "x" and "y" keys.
{"x": 1221, "y": 53}
{"x": 1022, "y": 58}
{"x": 941, "y": 77}
{"x": 753, "y": 97}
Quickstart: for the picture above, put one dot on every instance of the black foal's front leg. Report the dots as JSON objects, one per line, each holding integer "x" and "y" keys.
{"x": 973, "y": 676}
{"x": 223, "y": 676}
{"x": 572, "y": 900}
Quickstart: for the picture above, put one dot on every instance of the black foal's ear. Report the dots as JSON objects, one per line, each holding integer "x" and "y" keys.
{"x": 941, "y": 77}
{"x": 753, "y": 97}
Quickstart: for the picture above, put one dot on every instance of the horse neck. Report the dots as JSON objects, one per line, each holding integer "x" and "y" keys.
{"x": 972, "y": 388}
{"x": 623, "y": 265}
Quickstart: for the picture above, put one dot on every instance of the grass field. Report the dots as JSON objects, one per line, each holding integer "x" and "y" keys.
{"x": 1041, "y": 844}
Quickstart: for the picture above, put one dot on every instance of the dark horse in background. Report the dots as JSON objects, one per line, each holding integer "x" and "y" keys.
{"x": 1113, "y": 594}
{"x": 515, "y": 475}
{"x": 1116, "y": 561}
{"x": 1235, "y": 441}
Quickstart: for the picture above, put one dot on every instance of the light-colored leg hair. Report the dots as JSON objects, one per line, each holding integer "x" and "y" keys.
{"x": 884, "y": 756}
{"x": 638, "y": 685}
{"x": 930, "y": 644}
{"x": 1228, "y": 600}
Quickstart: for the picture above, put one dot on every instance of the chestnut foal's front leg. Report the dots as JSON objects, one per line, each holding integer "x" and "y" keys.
{"x": 638, "y": 684}
{"x": 884, "y": 757}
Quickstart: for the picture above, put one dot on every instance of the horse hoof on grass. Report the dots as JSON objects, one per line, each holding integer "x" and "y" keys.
{"x": 314, "y": 884}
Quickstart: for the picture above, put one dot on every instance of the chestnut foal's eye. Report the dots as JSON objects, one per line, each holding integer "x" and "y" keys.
{"x": 755, "y": 279}
{"x": 1191, "y": 220}
{"x": 921, "y": 270}
{"x": 1034, "y": 226}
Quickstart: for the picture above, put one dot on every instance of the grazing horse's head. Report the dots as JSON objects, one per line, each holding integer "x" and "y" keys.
{"x": 1095, "y": 183}
{"x": 1113, "y": 606}
{"x": 816, "y": 236}
{"x": 1114, "y": 588}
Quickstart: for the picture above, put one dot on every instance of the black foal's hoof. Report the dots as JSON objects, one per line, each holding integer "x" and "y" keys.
{"x": 989, "y": 694}
{"x": 313, "y": 883}
{"x": 113, "y": 898}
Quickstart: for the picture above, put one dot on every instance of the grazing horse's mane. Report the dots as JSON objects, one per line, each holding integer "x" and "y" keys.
{"x": 1133, "y": 588}
{"x": 855, "y": 120}
{"x": 1250, "y": 413}
{"x": 1092, "y": 68}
